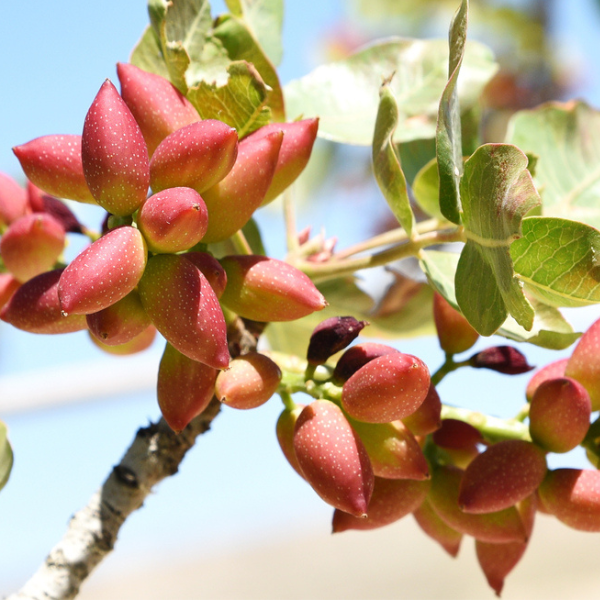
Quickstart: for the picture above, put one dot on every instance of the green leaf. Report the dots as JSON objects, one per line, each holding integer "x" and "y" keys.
{"x": 147, "y": 54}
{"x": 426, "y": 188}
{"x": 497, "y": 192}
{"x": 240, "y": 44}
{"x": 344, "y": 94}
{"x": 386, "y": 165}
{"x": 566, "y": 138}
{"x": 265, "y": 20}
{"x": 448, "y": 132}
{"x": 6, "y": 456}
{"x": 558, "y": 260}
{"x": 241, "y": 102}
{"x": 414, "y": 156}
{"x": 550, "y": 329}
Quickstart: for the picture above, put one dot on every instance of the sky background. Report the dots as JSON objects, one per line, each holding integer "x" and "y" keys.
{"x": 235, "y": 486}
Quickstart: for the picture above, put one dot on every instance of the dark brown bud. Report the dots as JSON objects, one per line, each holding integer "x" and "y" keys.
{"x": 503, "y": 359}
{"x": 331, "y": 336}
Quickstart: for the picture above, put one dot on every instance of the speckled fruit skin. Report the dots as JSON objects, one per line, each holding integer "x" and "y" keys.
{"x": 198, "y": 156}
{"x": 286, "y": 424}
{"x": 428, "y": 417}
{"x": 31, "y": 245}
{"x": 104, "y": 272}
{"x": 173, "y": 220}
{"x": 506, "y": 473}
{"x": 211, "y": 269}
{"x": 550, "y": 371}
{"x": 232, "y": 202}
{"x": 299, "y": 137}
{"x": 54, "y": 164}
{"x": 393, "y": 450}
{"x": 267, "y": 289}
{"x": 114, "y": 154}
{"x": 185, "y": 388}
{"x": 559, "y": 415}
{"x": 35, "y": 307}
{"x": 385, "y": 389}
{"x": 120, "y": 322}
{"x": 248, "y": 382}
{"x": 584, "y": 364}
{"x": 573, "y": 497}
{"x": 358, "y": 356}
{"x": 455, "y": 333}
{"x": 432, "y": 525}
{"x": 495, "y": 527}
{"x": 333, "y": 459}
{"x": 13, "y": 200}
{"x": 184, "y": 309}
{"x": 139, "y": 343}
{"x": 392, "y": 500}
{"x": 8, "y": 286}
{"x": 157, "y": 105}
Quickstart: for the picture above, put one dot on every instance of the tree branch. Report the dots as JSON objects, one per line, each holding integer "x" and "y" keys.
{"x": 156, "y": 453}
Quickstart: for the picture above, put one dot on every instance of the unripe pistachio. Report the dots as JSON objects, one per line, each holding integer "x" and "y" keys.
{"x": 393, "y": 450}
{"x": 139, "y": 343}
{"x": 173, "y": 220}
{"x": 114, "y": 154}
{"x": 185, "y": 388}
{"x": 120, "y": 322}
{"x": 455, "y": 333}
{"x": 198, "y": 156}
{"x": 573, "y": 497}
{"x": 35, "y": 307}
{"x": 584, "y": 364}
{"x": 8, "y": 286}
{"x": 333, "y": 459}
{"x": 248, "y": 382}
{"x": 184, "y": 309}
{"x": 157, "y": 105}
{"x": 54, "y": 164}
{"x": 503, "y": 359}
{"x": 286, "y": 424}
{"x": 428, "y": 417}
{"x": 232, "y": 202}
{"x": 437, "y": 529}
{"x": 295, "y": 151}
{"x": 331, "y": 336}
{"x": 506, "y": 473}
{"x": 211, "y": 269}
{"x": 104, "y": 272}
{"x": 31, "y": 245}
{"x": 385, "y": 389}
{"x": 496, "y": 527}
{"x": 358, "y": 356}
{"x": 559, "y": 415}
{"x": 550, "y": 371}
{"x": 392, "y": 500}
{"x": 267, "y": 289}
{"x": 457, "y": 435}
{"x": 13, "y": 200}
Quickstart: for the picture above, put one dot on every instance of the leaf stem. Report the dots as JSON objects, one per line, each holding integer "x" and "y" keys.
{"x": 446, "y": 368}
{"x": 289, "y": 216}
{"x": 240, "y": 243}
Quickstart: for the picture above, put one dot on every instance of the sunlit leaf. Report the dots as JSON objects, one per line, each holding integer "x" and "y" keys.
{"x": 448, "y": 133}
{"x": 147, "y": 54}
{"x": 497, "y": 192}
{"x": 6, "y": 456}
{"x": 241, "y": 102}
{"x": 265, "y": 20}
{"x": 344, "y": 94}
{"x": 566, "y": 138}
{"x": 558, "y": 260}
{"x": 240, "y": 44}
{"x": 386, "y": 165}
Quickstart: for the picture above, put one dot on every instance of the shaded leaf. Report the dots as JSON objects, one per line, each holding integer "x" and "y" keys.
{"x": 497, "y": 192}
{"x": 147, "y": 54}
{"x": 386, "y": 165}
{"x": 426, "y": 190}
{"x": 448, "y": 132}
{"x": 558, "y": 260}
{"x": 344, "y": 94}
{"x": 265, "y": 20}
{"x": 241, "y": 102}
{"x": 566, "y": 138}
{"x": 550, "y": 329}
{"x": 240, "y": 44}
{"x": 414, "y": 155}
{"x": 6, "y": 456}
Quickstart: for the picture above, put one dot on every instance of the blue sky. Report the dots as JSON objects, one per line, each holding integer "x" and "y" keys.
{"x": 235, "y": 484}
